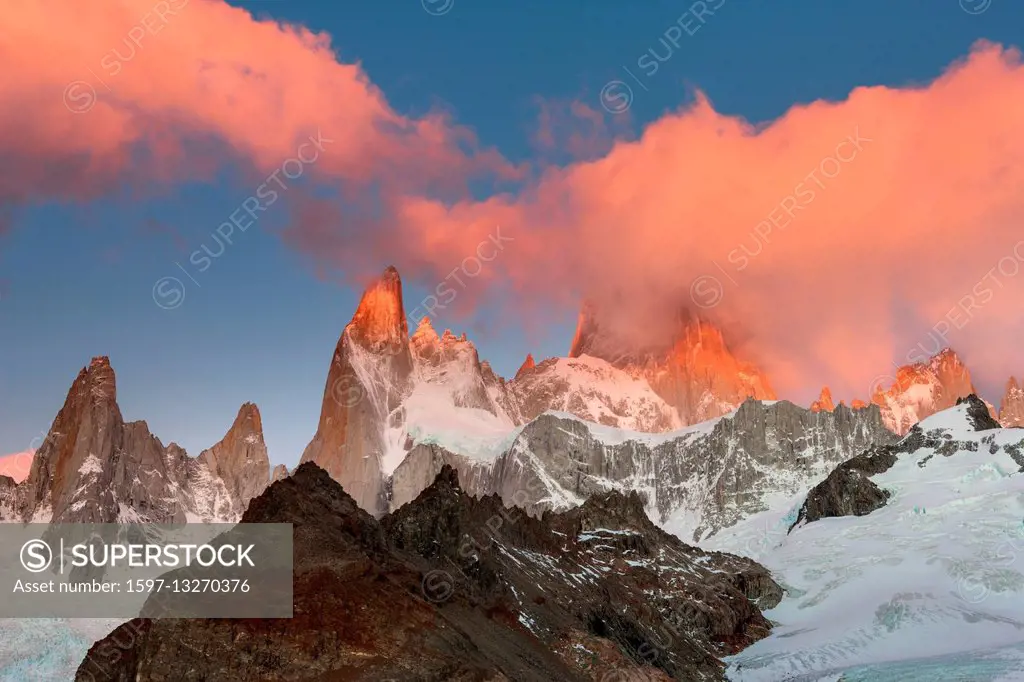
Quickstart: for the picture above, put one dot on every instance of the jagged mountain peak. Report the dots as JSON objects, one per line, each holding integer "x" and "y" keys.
{"x": 921, "y": 389}
{"x": 824, "y": 401}
{"x": 240, "y": 459}
{"x": 98, "y": 380}
{"x": 947, "y": 357}
{"x": 690, "y": 366}
{"x": 248, "y": 420}
{"x": 380, "y": 317}
{"x": 450, "y": 337}
{"x": 527, "y": 365}
{"x": 978, "y": 414}
{"x": 1011, "y": 408}
{"x": 425, "y": 330}
{"x": 95, "y": 467}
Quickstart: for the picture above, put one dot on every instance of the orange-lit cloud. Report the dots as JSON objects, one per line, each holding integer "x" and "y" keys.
{"x": 143, "y": 93}
{"x": 17, "y": 466}
{"x": 910, "y": 223}
{"x": 885, "y": 253}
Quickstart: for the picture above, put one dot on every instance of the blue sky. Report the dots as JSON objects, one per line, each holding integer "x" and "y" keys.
{"x": 76, "y": 280}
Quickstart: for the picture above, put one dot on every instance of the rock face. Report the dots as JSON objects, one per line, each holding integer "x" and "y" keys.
{"x": 240, "y": 459}
{"x": 1011, "y": 410}
{"x": 9, "y": 498}
{"x": 824, "y": 401}
{"x": 849, "y": 490}
{"x": 95, "y": 467}
{"x": 696, "y": 481}
{"x": 694, "y": 371}
{"x": 527, "y": 365}
{"x": 279, "y": 473}
{"x": 396, "y": 409}
{"x": 920, "y": 390}
{"x": 483, "y": 593}
{"x": 368, "y": 377}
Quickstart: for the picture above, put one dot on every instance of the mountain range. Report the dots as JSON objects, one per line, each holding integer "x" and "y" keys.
{"x": 686, "y": 414}
{"x": 597, "y": 469}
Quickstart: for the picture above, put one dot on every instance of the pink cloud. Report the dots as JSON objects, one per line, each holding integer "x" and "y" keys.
{"x": 833, "y": 240}
{"x": 157, "y": 91}
{"x": 17, "y": 465}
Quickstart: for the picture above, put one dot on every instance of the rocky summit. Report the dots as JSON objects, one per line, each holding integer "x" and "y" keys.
{"x": 93, "y": 467}
{"x": 452, "y": 587}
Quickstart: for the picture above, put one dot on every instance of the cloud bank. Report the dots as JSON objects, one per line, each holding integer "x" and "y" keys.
{"x": 830, "y": 242}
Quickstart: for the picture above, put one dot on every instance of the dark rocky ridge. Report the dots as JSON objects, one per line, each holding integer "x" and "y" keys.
{"x": 452, "y": 587}
{"x": 849, "y": 490}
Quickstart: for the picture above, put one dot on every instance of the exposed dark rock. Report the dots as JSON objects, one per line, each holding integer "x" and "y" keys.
{"x": 451, "y": 587}
{"x": 848, "y": 490}
{"x": 978, "y": 413}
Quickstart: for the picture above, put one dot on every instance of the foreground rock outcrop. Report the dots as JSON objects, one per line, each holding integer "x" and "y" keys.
{"x": 457, "y": 588}
{"x": 849, "y": 490}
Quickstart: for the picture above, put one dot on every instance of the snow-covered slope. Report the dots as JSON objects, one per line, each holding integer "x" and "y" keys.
{"x": 451, "y": 402}
{"x": 929, "y": 587}
{"x": 594, "y": 390}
